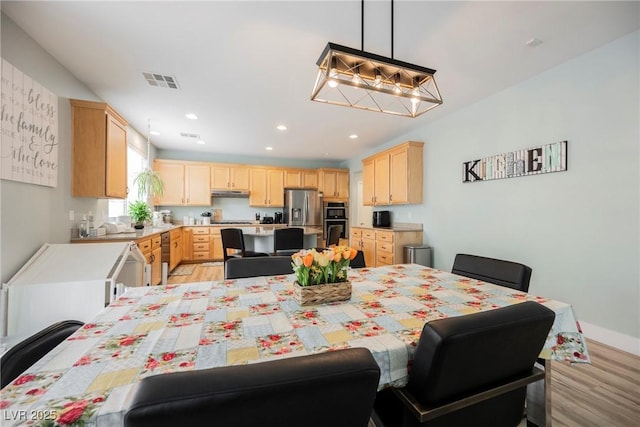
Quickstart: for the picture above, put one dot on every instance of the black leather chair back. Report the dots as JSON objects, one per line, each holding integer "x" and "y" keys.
{"x": 358, "y": 261}
{"x": 233, "y": 238}
{"x": 504, "y": 273}
{"x": 333, "y": 389}
{"x": 237, "y": 268}
{"x": 460, "y": 355}
{"x": 27, "y": 352}
{"x": 333, "y": 235}
{"x": 287, "y": 241}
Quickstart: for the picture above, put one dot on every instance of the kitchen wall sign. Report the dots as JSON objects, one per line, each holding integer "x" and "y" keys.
{"x": 29, "y": 129}
{"x": 531, "y": 161}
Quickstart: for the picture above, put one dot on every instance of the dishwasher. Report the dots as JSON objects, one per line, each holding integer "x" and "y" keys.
{"x": 165, "y": 245}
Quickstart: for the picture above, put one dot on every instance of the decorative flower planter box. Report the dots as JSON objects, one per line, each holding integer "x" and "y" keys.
{"x": 319, "y": 294}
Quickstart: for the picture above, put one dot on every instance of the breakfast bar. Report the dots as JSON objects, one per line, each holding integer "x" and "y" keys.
{"x": 260, "y": 239}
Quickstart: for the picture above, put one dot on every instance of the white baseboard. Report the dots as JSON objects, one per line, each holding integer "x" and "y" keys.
{"x": 614, "y": 339}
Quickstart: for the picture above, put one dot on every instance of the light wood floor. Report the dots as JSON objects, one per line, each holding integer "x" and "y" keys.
{"x": 605, "y": 393}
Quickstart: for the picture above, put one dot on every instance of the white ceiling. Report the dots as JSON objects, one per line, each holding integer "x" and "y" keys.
{"x": 245, "y": 67}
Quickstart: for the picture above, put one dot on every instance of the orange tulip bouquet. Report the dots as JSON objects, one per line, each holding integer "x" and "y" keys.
{"x": 329, "y": 266}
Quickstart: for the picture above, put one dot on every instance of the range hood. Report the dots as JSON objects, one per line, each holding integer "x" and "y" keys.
{"x": 230, "y": 193}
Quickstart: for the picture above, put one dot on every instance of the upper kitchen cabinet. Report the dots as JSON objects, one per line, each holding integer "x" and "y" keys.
{"x": 266, "y": 187}
{"x": 393, "y": 176}
{"x": 300, "y": 178}
{"x": 99, "y": 153}
{"x": 334, "y": 184}
{"x": 229, "y": 177}
{"x": 185, "y": 183}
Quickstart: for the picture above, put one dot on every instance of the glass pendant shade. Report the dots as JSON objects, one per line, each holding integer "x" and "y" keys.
{"x": 358, "y": 79}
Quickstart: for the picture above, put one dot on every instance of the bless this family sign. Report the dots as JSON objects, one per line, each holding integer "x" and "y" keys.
{"x": 29, "y": 129}
{"x": 531, "y": 161}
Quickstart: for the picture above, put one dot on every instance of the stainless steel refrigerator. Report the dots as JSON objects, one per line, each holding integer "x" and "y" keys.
{"x": 303, "y": 208}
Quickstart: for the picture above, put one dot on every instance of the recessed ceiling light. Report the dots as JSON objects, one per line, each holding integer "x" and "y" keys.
{"x": 154, "y": 132}
{"x": 201, "y": 142}
{"x": 191, "y": 116}
{"x": 353, "y": 136}
{"x": 281, "y": 127}
{"x": 268, "y": 148}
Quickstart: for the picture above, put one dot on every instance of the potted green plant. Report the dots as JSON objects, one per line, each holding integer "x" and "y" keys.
{"x": 149, "y": 183}
{"x": 139, "y": 212}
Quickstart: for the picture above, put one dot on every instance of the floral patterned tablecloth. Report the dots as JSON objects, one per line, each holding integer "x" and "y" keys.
{"x": 90, "y": 377}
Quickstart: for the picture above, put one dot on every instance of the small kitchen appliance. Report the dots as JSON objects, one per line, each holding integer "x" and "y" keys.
{"x": 382, "y": 219}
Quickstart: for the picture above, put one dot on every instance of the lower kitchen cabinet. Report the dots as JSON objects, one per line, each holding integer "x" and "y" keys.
{"x": 175, "y": 254}
{"x": 152, "y": 250}
{"x": 203, "y": 244}
{"x": 383, "y": 247}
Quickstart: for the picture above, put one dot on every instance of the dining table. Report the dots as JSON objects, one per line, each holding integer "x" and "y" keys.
{"x": 90, "y": 378}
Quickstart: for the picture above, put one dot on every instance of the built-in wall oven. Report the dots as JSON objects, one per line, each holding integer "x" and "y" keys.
{"x": 335, "y": 213}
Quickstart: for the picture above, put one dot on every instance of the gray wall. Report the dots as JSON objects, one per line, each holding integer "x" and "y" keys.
{"x": 32, "y": 215}
{"x": 578, "y": 229}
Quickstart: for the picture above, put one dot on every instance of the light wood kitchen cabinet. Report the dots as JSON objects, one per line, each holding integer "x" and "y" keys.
{"x": 215, "y": 247}
{"x": 394, "y": 176}
{"x": 300, "y": 178}
{"x": 229, "y": 177}
{"x": 201, "y": 244}
{"x": 175, "y": 254}
{"x": 152, "y": 251}
{"x": 383, "y": 247}
{"x": 363, "y": 239}
{"x": 99, "y": 153}
{"x": 186, "y": 183}
{"x": 334, "y": 184}
{"x": 267, "y": 187}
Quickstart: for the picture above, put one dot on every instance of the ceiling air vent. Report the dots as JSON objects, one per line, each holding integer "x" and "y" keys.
{"x": 189, "y": 135}
{"x": 160, "y": 80}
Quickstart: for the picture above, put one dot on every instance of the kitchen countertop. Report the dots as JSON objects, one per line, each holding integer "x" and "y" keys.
{"x": 400, "y": 226}
{"x": 255, "y": 229}
{"x": 125, "y": 237}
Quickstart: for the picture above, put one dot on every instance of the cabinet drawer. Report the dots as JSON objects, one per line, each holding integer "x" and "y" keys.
{"x": 200, "y": 247}
{"x": 200, "y": 239}
{"x": 175, "y": 234}
{"x": 201, "y": 255}
{"x": 368, "y": 234}
{"x": 385, "y": 236}
{"x": 384, "y": 247}
{"x": 156, "y": 242}
{"x": 144, "y": 245}
{"x": 356, "y": 233}
{"x": 384, "y": 258}
{"x": 200, "y": 230}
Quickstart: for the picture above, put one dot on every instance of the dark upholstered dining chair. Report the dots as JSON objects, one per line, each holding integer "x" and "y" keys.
{"x": 232, "y": 238}
{"x": 287, "y": 241}
{"x": 470, "y": 370}
{"x": 333, "y": 235}
{"x": 334, "y": 389}
{"x": 504, "y": 273}
{"x": 237, "y": 268}
{"x": 27, "y": 352}
{"x": 358, "y": 261}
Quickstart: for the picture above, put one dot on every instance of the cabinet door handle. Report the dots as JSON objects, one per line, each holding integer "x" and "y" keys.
{"x": 152, "y": 258}
{"x": 390, "y": 197}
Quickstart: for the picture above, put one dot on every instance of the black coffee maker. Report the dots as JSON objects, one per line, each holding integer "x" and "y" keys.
{"x": 278, "y": 217}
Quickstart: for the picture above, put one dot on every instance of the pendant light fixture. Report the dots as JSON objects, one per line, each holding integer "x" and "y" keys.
{"x": 358, "y": 79}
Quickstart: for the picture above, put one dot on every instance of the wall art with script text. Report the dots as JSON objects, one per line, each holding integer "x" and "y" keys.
{"x": 29, "y": 129}
{"x": 531, "y": 161}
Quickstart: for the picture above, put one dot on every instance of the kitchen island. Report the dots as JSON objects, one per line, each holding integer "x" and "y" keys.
{"x": 260, "y": 239}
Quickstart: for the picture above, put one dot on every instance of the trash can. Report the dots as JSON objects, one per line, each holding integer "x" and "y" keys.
{"x": 418, "y": 254}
